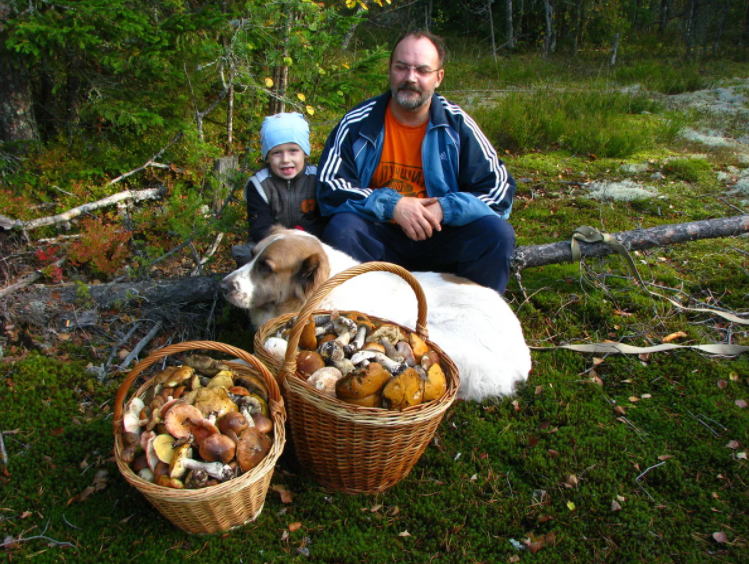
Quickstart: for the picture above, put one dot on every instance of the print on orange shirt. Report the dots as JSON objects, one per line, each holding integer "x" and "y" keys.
{"x": 400, "y": 164}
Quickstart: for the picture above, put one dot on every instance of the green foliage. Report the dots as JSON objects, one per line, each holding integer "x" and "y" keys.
{"x": 689, "y": 170}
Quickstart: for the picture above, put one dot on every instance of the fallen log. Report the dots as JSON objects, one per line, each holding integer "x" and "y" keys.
{"x": 157, "y": 294}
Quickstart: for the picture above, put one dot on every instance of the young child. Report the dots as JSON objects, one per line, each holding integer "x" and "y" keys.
{"x": 284, "y": 190}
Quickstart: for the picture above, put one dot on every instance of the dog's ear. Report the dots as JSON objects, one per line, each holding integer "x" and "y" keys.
{"x": 311, "y": 274}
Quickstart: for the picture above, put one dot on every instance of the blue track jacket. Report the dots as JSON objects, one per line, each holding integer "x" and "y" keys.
{"x": 461, "y": 167}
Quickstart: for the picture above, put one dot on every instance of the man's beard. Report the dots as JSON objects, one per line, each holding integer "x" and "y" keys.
{"x": 409, "y": 102}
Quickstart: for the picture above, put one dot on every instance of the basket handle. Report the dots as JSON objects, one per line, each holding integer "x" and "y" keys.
{"x": 153, "y": 358}
{"x": 289, "y": 365}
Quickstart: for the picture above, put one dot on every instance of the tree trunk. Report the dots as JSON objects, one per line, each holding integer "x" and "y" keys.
{"x": 17, "y": 121}
{"x": 281, "y": 73}
{"x": 165, "y": 295}
{"x": 721, "y": 27}
{"x": 578, "y": 26}
{"x": 614, "y": 49}
{"x": 351, "y": 30}
{"x": 689, "y": 32}
{"x": 508, "y": 25}
{"x": 547, "y": 36}
{"x": 428, "y": 14}
{"x": 230, "y": 117}
{"x": 491, "y": 28}
{"x": 665, "y": 15}
{"x": 744, "y": 40}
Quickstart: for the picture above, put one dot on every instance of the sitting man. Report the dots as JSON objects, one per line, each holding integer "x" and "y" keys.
{"x": 409, "y": 178}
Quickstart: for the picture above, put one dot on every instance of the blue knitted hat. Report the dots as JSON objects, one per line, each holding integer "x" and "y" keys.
{"x": 284, "y": 128}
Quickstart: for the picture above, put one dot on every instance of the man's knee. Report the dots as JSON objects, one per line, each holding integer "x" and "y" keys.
{"x": 499, "y": 235}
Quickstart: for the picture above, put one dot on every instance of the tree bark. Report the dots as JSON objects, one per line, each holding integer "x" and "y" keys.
{"x": 548, "y": 13}
{"x": 182, "y": 292}
{"x": 491, "y": 28}
{"x": 578, "y": 27}
{"x": 721, "y": 27}
{"x": 614, "y": 49}
{"x": 508, "y": 25}
{"x": 351, "y": 30}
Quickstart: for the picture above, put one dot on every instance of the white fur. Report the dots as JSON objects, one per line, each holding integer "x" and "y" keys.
{"x": 472, "y": 324}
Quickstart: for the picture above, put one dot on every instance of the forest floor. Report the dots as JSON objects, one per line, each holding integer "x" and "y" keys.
{"x": 598, "y": 458}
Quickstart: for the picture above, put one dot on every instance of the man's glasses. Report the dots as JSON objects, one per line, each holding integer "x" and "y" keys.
{"x": 422, "y": 71}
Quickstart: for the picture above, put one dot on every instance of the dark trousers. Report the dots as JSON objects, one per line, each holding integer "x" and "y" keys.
{"x": 479, "y": 251}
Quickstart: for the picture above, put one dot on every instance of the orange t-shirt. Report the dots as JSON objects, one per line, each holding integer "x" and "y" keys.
{"x": 400, "y": 164}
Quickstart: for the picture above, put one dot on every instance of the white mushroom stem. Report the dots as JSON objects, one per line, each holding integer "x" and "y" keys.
{"x": 361, "y": 334}
{"x": 363, "y": 356}
{"x": 324, "y": 329}
{"x": 388, "y": 363}
{"x": 247, "y": 415}
{"x": 221, "y": 472}
{"x": 345, "y": 328}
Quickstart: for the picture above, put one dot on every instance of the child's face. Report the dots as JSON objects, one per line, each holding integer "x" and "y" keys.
{"x": 286, "y": 160}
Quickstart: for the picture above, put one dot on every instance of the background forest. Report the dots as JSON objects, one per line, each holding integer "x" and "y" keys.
{"x": 127, "y": 129}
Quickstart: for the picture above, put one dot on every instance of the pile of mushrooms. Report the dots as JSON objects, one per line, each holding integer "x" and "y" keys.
{"x": 363, "y": 363}
{"x": 198, "y": 425}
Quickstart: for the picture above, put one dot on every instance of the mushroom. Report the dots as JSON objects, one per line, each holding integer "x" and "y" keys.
{"x": 146, "y": 474}
{"x": 252, "y": 448}
{"x": 308, "y": 339}
{"x": 182, "y": 461}
{"x": 233, "y": 421}
{"x": 139, "y": 463}
{"x": 276, "y": 347}
{"x": 436, "y": 383}
{"x": 429, "y": 358}
{"x": 178, "y": 419}
{"x": 253, "y": 384}
{"x": 375, "y": 400}
{"x": 224, "y": 378}
{"x": 196, "y": 479}
{"x": 214, "y": 401}
{"x": 325, "y": 379}
{"x": 217, "y": 447}
{"x": 151, "y": 456}
{"x": 178, "y": 376}
{"x": 393, "y": 366}
{"x": 130, "y": 442}
{"x": 389, "y": 332}
{"x": 205, "y": 364}
{"x": 403, "y": 391}
{"x": 162, "y": 444}
{"x": 308, "y": 362}
{"x": 333, "y": 355}
{"x": 391, "y": 351}
{"x": 363, "y": 328}
{"x": 262, "y": 423}
{"x": 202, "y": 429}
{"x": 345, "y": 328}
{"x": 252, "y": 404}
{"x": 373, "y": 347}
{"x": 406, "y": 353}
{"x": 131, "y": 419}
{"x": 363, "y": 382}
{"x": 418, "y": 346}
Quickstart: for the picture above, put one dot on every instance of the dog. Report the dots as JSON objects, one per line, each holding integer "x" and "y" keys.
{"x": 472, "y": 324}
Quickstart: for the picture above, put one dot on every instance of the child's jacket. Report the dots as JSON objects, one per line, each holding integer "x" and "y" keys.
{"x": 292, "y": 203}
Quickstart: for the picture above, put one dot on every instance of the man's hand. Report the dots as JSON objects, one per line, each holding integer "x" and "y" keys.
{"x": 418, "y": 217}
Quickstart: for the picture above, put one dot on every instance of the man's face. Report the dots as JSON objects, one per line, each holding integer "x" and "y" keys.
{"x": 414, "y": 73}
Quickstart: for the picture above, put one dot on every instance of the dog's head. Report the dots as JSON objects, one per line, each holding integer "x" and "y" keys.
{"x": 286, "y": 268}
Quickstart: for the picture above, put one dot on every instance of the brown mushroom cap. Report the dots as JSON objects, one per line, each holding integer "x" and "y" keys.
{"x": 325, "y": 379}
{"x": 217, "y": 447}
{"x": 429, "y": 358}
{"x": 377, "y": 347}
{"x": 233, "y": 421}
{"x": 436, "y": 383}
{"x": 178, "y": 417}
{"x": 403, "y": 391}
{"x": 363, "y": 382}
{"x": 308, "y": 362}
{"x": 253, "y": 384}
{"x": 181, "y": 374}
{"x": 224, "y": 378}
{"x": 263, "y": 423}
{"x": 252, "y": 448}
{"x": 202, "y": 429}
{"x": 205, "y": 364}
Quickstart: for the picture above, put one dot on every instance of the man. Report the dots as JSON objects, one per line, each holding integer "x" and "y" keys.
{"x": 409, "y": 178}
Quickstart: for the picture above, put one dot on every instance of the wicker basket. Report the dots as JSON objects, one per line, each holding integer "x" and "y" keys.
{"x": 346, "y": 447}
{"x": 215, "y": 508}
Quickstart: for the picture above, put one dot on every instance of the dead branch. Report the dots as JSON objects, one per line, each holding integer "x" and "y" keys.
{"x": 151, "y": 161}
{"x": 28, "y": 280}
{"x": 180, "y": 292}
{"x": 636, "y": 240}
{"x": 134, "y": 195}
{"x": 3, "y": 452}
{"x": 141, "y": 345}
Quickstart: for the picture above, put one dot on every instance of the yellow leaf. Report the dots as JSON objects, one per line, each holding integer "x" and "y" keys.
{"x": 673, "y": 336}
{"x": 350, "y": 3}
{"x": 310, "y": 110}
{"x": 345, "y": 66}
{"x": 301, "y": 96}
{"x": 269, "y": 82}
{"x": 571, "y": 505}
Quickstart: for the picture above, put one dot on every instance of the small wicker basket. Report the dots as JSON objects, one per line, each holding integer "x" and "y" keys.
{"x": 215, "y": 508}
{"x": 346, "y": 447}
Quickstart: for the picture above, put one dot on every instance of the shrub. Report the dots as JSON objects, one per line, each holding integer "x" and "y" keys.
{"x": 689, "y": 170}
{"x": 102, "y": 246}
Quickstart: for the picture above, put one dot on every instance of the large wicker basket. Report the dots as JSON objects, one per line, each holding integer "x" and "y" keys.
{"x": 215, "y": 508}
{"x": 346, "y": 447}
